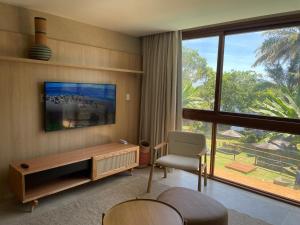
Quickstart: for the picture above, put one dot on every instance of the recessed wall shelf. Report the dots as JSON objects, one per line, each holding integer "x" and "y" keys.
{"x": 51, "y": 63}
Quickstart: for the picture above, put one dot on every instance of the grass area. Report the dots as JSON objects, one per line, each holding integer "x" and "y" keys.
{"x": 223, "y": 159}
{"x": 260, "y": 173}
{"x": 260, "y": 178}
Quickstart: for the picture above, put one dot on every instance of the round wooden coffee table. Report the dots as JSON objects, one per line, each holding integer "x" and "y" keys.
{"x": 142, "y": 211}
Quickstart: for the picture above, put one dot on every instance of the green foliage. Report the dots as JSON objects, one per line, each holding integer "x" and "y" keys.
{"x": 250, "y": 137}
{"x": 288, "y": 78}
{"x": 194, "y": 67}
{"x": 247, "y": 91}
{"x": 280, "y": 45}
{"x": 239, "y": 90}
{"x": 196, "y": 126}
{"x": 191, "y": 98}
{"x": 280, "y": 54}
{"x": 198, "y": 81}
{"x": 199, "y": 85}
{"x": 281, "y": 105}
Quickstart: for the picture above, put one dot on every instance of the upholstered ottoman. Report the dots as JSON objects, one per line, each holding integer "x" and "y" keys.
{"x": 196, "y": 208}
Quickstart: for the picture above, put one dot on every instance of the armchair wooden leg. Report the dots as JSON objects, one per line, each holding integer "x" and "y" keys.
{"x": 205, "y": 176}
{"x": 199, "y": 181}
{"x": 205, "y": 170}
{"x": 103, "y": 214}
{"x": 150, "y": 178}
{"x": 199, "y": 174}
{"x": 165, "y": 172}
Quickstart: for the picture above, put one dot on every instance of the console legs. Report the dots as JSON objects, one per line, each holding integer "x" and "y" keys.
{"x": 34, "y": 204}
{"x": 130, "y": 171}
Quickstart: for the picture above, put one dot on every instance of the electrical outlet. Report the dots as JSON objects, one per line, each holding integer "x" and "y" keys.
{"x": 127, "y": 97}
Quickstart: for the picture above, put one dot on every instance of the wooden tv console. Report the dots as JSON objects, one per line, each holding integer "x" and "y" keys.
{"x": 54, "y": 173}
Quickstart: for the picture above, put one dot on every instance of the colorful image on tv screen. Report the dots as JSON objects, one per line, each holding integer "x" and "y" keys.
{"x": 73, "y": 105}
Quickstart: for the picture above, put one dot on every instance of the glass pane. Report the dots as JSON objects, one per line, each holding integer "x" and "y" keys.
{"x": 261, "y": 73}
{"x": 264, "y": 160}
{"x": 200, "y": 127}
{"x": 199, "y": 63}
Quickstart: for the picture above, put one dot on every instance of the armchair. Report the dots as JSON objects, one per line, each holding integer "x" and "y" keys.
{"x": 183, "y": 150}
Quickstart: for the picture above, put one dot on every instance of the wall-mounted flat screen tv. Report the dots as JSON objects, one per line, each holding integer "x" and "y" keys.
{"x": 73, "y": 105}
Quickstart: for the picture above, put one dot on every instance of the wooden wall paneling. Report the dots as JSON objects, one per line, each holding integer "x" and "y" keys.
{"x": 118, "y": 59}
{"x": 14, "y": 44}
{"x": 6, "y": 128}
{"x": 21, "y": 115}
{"x": 21, "y": 85}
{"x": 20, "y": 20}
{"x": 134, "y": 90}
{"x": 74, "y": 66}
{"x": 96, "y": 56}
{"x": 120, "y": 106}
{"x": 67, "y": 52}
{"x": 135, "y": 61}
{"x": 17, "y": 45}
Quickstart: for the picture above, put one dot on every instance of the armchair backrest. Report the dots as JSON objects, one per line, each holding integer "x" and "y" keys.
{"x": 186, "y": 143}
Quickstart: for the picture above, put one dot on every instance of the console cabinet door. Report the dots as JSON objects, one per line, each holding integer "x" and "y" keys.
{"x": 111, "y": 163}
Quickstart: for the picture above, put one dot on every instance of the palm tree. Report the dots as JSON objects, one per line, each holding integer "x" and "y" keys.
{"x": 282, "y": 106}
{"x": 280, "y": 45}
{"x": 280, "y": 54}
{"x": 190, "y": 95}
{"x": 191, "y": 99}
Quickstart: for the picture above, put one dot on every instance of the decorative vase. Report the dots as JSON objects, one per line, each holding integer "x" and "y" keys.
{"x": 40, "y": 50}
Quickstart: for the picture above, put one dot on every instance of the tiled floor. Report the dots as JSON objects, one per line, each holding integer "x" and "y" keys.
{"x": 269, "y": 210}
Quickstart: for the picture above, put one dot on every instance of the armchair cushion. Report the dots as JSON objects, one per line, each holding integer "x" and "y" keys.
{"x": 179, "y": 162}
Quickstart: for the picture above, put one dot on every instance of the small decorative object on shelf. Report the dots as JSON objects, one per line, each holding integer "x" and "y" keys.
{"x": 124, "y": 142}
{"x": 40, "y": 50}
{"x": 24, "y": 165}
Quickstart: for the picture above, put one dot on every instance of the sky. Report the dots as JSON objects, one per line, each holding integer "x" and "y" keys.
{"x": 239, "y": 52}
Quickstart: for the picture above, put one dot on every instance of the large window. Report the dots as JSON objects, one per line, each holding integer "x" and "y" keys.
{"x": 261, "y": 159}
{"x": 241, "y": 88}
{"x": 261, "y": 73}
{"x": 199, "y": 64}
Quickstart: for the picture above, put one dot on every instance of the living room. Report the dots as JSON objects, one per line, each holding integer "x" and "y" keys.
{"x": 150, "y": 112}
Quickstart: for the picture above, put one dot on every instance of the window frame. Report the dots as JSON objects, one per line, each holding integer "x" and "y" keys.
{"x": 216, "y": 116}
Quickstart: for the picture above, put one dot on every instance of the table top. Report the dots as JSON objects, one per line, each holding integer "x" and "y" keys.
{"x": 142, "y": 211}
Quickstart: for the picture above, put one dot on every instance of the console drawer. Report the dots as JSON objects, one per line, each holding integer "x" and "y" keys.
{"x": 108, "y": 164}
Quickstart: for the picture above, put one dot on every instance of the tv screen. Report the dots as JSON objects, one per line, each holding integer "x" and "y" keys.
{"x": 73, "y": 105}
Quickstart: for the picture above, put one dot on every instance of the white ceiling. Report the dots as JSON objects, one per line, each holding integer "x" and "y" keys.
{"x": 142, "y": 17}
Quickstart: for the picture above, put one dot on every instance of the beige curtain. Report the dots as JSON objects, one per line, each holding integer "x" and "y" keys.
{"x": 161, "y": 86}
